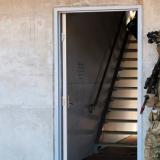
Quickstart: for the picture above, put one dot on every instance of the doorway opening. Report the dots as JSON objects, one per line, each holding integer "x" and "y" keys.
{"x": 98, "y": 79}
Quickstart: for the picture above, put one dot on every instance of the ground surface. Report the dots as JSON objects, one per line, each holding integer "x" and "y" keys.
{"x": 115, "y": 153}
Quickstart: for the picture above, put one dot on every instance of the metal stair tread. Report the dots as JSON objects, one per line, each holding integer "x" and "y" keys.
{"x": 129, "y": 59}
{"x": 119, "y": 78}
{"x": 106, "y": 144}
{"x": 124, "y": 98}
{"x": 120, "y": 132}
{"x": 116, "y": 87}
{"x": 122, "y": 109}
{"x": 128, "y": 68}
{"x": 132, "y": 41}
{"x": 121, "y": 120}
{"x": 130, "y": 50}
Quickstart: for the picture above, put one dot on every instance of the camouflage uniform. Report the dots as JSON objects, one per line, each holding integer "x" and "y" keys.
{"x": 152, "y": 141}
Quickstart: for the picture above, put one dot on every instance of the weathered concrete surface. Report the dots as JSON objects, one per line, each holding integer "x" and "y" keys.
{"x": 96, "y": 2}
{"x": 26, "y": 80}
{"x": 26, "y": 75}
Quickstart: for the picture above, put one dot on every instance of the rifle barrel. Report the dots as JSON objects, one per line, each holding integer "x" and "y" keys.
{"x": 144, "y": 103}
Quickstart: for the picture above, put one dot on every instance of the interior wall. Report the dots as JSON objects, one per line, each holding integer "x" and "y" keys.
{"x": 89, "y": 41}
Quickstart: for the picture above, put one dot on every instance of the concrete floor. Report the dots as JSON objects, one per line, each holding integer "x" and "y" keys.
{"x": 118, "y": 153}
{"x": 115, "y": 153}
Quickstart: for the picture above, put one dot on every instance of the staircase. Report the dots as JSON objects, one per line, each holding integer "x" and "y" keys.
{"x": 120, "y": 127}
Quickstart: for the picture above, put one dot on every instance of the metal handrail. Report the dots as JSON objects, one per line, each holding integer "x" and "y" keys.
{"x": 93, "y": 105}
{"x": 102, "y": 120}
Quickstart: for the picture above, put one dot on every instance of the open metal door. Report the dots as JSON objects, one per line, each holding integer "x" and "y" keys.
{"x": 64, "y": 85}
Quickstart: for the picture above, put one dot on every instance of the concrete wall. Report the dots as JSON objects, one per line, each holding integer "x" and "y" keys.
{"x": 26, "y": 96}
{"x": 26, "y": 75}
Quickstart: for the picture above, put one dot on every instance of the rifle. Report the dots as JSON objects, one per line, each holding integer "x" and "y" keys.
{"x": 144, "y": 103}
{"x": 151, "y": 83}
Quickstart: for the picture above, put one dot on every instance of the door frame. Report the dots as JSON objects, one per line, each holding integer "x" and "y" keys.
{"x": 60, "y": 131}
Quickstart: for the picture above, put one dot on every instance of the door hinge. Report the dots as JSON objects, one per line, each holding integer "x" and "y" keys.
{"x": 63, "y": 37}
{"x": 65, "y": 101}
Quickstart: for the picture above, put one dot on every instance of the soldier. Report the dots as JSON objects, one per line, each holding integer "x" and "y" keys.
{"x": 152, "y": 141}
